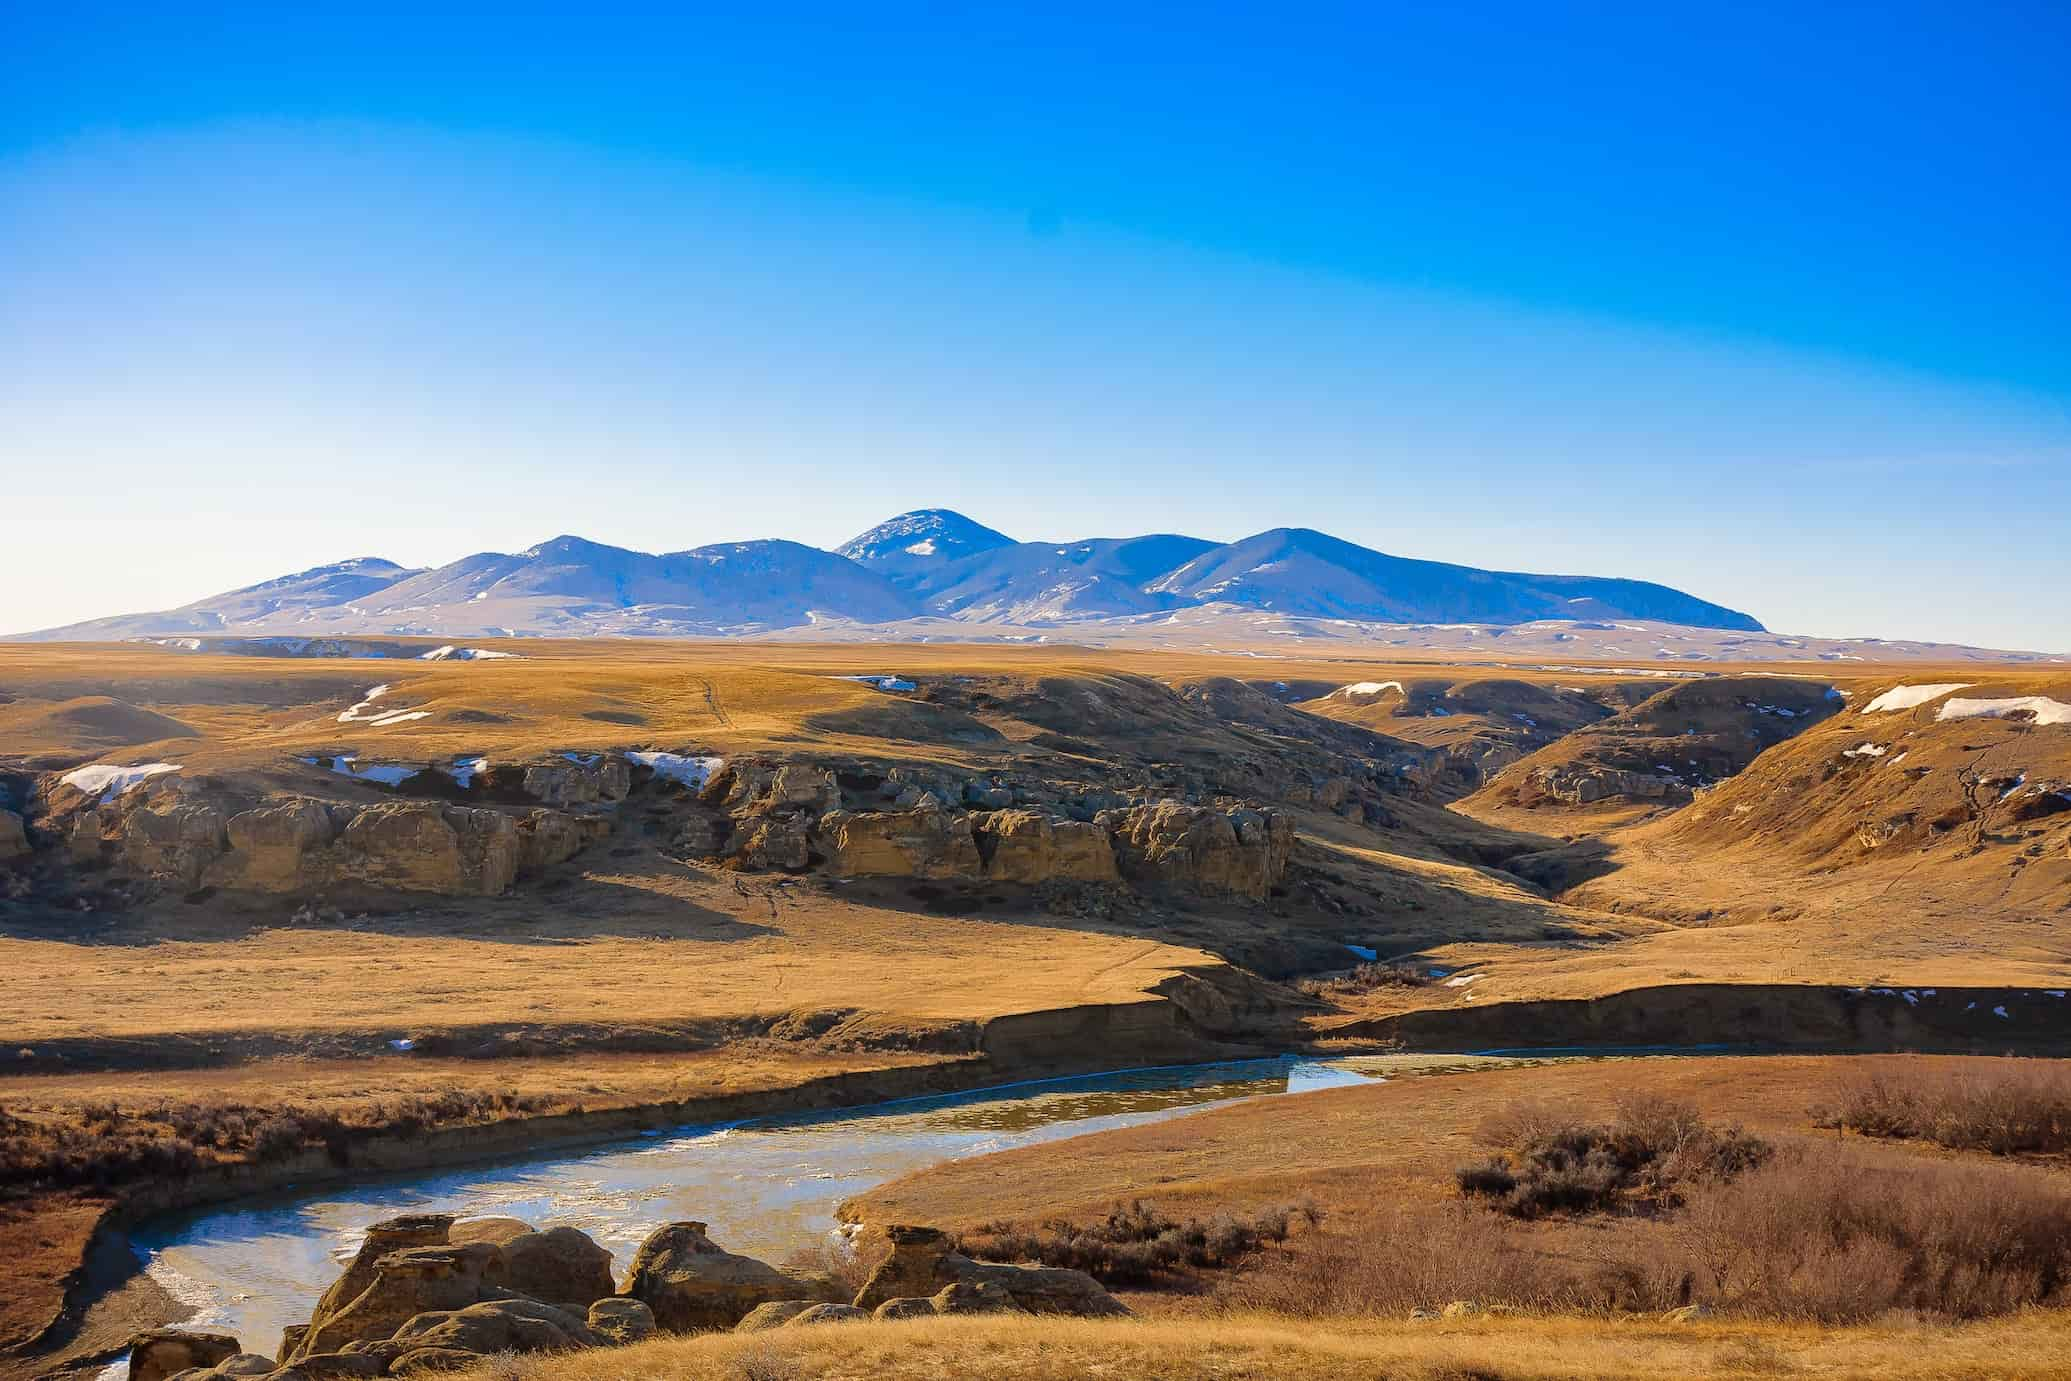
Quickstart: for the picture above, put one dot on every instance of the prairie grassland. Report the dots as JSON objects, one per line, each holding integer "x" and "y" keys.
{"x": 1259, "y": 1348}
{"x": 1354, "y": 1149}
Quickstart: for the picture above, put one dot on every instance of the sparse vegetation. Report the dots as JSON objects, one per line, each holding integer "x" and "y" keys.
{"x": 104, "y": 1144}
{"x": 2004, "y": 1109}
{"x": 1550, "y": 1161}
{"x": 1138, "y": 1244}
{"x": 1812, "y": 1234}
{"x": 1368, "y": 978}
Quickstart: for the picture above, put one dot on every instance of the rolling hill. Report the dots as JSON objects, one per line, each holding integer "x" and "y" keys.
{"x": 930, "y": 564}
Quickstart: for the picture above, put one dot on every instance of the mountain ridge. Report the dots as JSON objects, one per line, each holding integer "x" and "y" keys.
{"x": 922, "y": 565}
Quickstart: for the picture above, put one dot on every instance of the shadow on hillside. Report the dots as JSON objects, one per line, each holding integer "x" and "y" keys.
{"x": 564, "y": 909}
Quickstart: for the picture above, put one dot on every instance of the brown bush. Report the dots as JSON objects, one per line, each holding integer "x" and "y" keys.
{"x": 2006, "y": 1109}
{"x": 1409, "y": 1258}
{"x": 1816, "y": 1233}
{"x": 1824, "y": 1234}
{"x": 103, "y": 1145}
{"x": 1552, "y": 1162}
{"x": 1367, "y": 978}
{"x": 1137, "y": 1245}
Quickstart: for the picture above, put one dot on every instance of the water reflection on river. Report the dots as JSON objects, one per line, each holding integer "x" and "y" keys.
{"x": 767, "y": 1187}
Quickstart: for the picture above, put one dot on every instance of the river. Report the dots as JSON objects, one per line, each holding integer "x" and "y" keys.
{"x": 768, "y": 1187}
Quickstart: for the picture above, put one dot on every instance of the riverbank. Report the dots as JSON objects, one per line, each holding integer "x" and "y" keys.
{"x": 81, "y": 1293}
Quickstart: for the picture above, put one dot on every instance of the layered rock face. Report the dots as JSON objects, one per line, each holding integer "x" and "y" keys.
{"x": 1242, "y": 851}
{"x": 926, "y": 842}
{"x": 901, "y": 823}
{"x": 1029, "y": 846}
{"x": 14, "y": 838}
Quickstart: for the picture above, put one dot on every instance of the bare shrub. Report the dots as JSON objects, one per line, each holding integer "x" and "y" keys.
{"x": 1409, "y": 1258}
{"x": 834, "y": 1260}
{"x": 1367, "y": 978}
{"x": 1137, "y": 1244}
{"x": 102, "y": 1145}
{"x": 1641, "y": 1160}
{"x": 2006, "y": 1109}
{"x": 1825, "y": 1235}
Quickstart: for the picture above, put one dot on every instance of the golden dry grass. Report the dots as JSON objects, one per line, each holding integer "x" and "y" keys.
{"x": 1259, "y": 1349}
{"x": 1350, "y": 1149}
{"x": 640, "y": 941}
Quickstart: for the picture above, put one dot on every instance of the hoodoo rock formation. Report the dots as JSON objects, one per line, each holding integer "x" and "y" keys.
{"x": 424, "y": 1294}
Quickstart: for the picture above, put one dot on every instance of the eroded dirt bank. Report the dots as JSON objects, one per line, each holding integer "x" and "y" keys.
{"x": 1809, "y": 1017}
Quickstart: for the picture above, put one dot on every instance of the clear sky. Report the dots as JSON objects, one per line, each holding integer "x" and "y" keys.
{"x": 1770, "y": 303}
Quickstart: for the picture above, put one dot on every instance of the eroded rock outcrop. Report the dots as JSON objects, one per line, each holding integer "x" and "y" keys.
{"x": 14, "y": 837}
{"x": 170, "y": 836}
{"x": 1032, "y": 846}
{"x": 922, "y": 1263}
{"x": 427, "y": 847}
{"x": 406, "y": 1283}
{"x": 560, "y": 1266}
{"x": 503, "y": 1325}
{"x": 925, "y": 842}
{"x": 1170, "y": 842}
{"x": 278, "y": 847}
{"x": 692, "y": 1284}
{"x": 621, "y": 1321}
{"x": 160, "y": 1352}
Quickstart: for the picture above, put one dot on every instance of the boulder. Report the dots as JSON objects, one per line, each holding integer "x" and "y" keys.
{"x": 921, "y": 1263}
{"x": 422, "y": 846}
{"x": 388, "y": 1235}
{"x": 908, "y": 1307}
{"x": 910, "y": 1268}
{"x": 1032, "y": 846}
{"x": 277, "y": 847}
{"x": 501, "y": 1325}
{"x": 14, "y": 838}
{"x": 693, "y": 1284}
{"x": 774, "y": 1314}
{"x": 335, "y": 1366}
{"x": 975, "y": 1296}
{"x": 493, "y": 1230}
{"x": 620, "y": 1320}
{"x": 430, "y": 1361}
{"x": 826, "y": 1313}
{"x": 406, "y": 1283}
{"x": 1170, "y": 842}
{"x": 1038, "y": 1289}
{"x": 561, "y": 1266}
{"x": 159, "y": 1352}
{"x": 243, "y": 1364}
{"x": 925, "y": 842}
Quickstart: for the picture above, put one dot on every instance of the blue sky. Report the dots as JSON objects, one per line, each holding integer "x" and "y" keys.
{"x": 1768, "y": 304}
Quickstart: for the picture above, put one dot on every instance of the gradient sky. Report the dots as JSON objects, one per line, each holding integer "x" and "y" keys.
{"x": 1772, "y": 304}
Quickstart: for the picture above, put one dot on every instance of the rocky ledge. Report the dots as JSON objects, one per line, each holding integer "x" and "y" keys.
{"x": 425, "y": 1294}
{"x": 507, "y": 823}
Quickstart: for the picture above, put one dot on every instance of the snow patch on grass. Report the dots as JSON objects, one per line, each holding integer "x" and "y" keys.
{"x": 1911, "y": 697}
{"x": 2039, "y": 708}
{"x": 108, "y": 781}
{"x": 676, "y": 767}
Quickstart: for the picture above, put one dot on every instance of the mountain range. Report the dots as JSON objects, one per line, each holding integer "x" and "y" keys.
{"x": 931, "y": 564}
